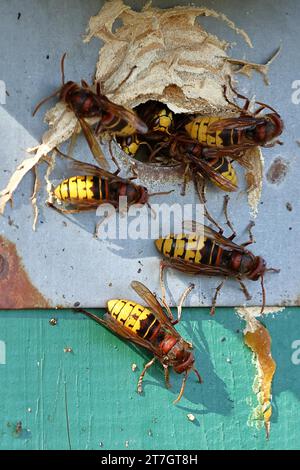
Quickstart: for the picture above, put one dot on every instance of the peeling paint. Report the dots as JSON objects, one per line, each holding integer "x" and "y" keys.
{"x": 250, "y": 313}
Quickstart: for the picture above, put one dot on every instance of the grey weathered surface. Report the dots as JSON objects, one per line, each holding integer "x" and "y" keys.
{"x": 64, "y": 262}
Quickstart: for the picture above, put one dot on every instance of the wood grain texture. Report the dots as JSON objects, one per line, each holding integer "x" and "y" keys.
{"x": 99, "y": 387}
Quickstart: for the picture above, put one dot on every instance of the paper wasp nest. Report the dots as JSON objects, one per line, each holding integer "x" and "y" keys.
{"x": 163, "y": 55}
{"x": 166, "y": 56}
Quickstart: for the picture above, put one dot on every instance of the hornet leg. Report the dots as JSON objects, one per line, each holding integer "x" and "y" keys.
{"x": 251, "y": 238}
{"x": 167, "y": 376}
{"x": 228, "y": 222}
{"x": 140, "y": 382}
{"x": 185, "y": 180}
{"x": 200, "y": 187}
{"x": 182, "y": 388}
{"x": 200, "y": 380}
{"x": 245, "y": 290}
{"x": 245, "y": 109}
{"x": 229, "y": 101}
{"x": 214, "y": 301}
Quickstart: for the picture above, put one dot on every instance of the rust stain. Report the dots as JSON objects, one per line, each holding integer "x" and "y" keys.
{"x": 277, "y": 171}
{"x": 16, "y": 289}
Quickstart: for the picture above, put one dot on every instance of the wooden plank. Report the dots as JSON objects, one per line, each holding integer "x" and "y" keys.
{"x": 96, "y": 382}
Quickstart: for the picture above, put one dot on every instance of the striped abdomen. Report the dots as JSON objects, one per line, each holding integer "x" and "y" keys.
{"x": 199, "y": 129}
{"x": 116, "y": 125}
{"x": 130, "y": 144}
{"x": 193, "y": 249}
{"x": 134, "y": 317}
{"x": 96, "y": 189}
{"x": 225, "y": 169}
{"x": 91, "y": 188}
{"x": 199, "y": 250}
{"x": 162, "y": 121}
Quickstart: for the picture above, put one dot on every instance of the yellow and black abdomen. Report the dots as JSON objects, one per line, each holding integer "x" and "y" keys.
{"x": 89, "y": 188}
{"x": 200, "y": 129}
{"x": 119, "y": 127}
{"x": 191, "y": 248}
{"x": 138, "y": 319}
{"x": 130, "y": 144}
{"x": 225, "y": 169}
{"x": 162, "y": 121}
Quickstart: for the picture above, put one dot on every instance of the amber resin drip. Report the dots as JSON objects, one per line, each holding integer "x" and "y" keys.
{"x": 259, "y": 341}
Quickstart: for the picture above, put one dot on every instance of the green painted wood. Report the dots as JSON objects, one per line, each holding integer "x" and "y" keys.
{"x": 103, "y": 408}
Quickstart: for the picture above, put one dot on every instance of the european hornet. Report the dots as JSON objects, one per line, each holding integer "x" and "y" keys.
{"x": 203, "y": 162}
{"x": 238, "y": 133}
{"x": 153, "y": 329}
{"x": 178, "y": 147}
{"x": 89, "y": 186}
{"x": 114, "y": 119}
{"x": 131, "y": 144}
{"x": 160, "y": 122}
{"x": 169, "y": 147}
{"x": 207, "y": 252}
{"x": 158, "y": 117}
